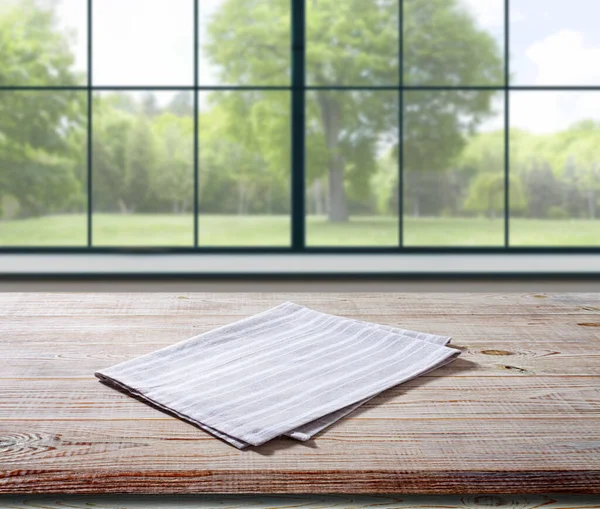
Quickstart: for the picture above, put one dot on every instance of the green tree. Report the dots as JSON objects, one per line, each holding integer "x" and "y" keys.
{"x": 173, "y": 181}
{"x": 486, "y": 195}
{"x": 483, "y": 157}
{"x": 443, "y": 46}
{"x": 238, "y": 161}
{"x": 33, "y": 50}
{"x": 385, "y": 181}
{"x": 182, "y": 104}
{"x": 38, "y": 164}
{"x": 531, "y": 165}
{"x": 561, "y": 170}
{"x": 354, "y": 42}
{"x": 142, "y": 162}
{"x": 586, "y": 154}
{"x": 41, "y": 167}
{"x": 109, "y": 148}
{"x": 575, "y": 156}
{"x": 140, "y": 165}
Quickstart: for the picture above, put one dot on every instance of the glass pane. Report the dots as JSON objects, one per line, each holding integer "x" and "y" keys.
{"x": 244, "y": 175}
{"x": 454, "y": 42}
{"x": 554, "y": 42}
{"x": 352, "y": 42}
{"x": 143, "y": 169}
{"x": 43, "y": 168}
{"x": 43, "y": 43}
{"x": 555, "y": 166}
{"x": 244, "y": 42}
{"x": 143, "y": 42}
{"x": 454, "y": 168}
{"x": 352, "y": 168}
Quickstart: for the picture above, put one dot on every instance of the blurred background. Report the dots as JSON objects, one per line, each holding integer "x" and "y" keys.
{"x": 447, "y": 128}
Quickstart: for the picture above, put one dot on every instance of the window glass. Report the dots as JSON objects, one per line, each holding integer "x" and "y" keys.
{"x": 244, "y": 174}
{"x": 406, "y": 111}
{"x": 43, "y": 43}
{"x": 352, "y": 42}
{"x": 352, "y": 168}
{"x": 454, "y": 43}
{"x": 453, "y": 168}
{"x": 554, "y": 42}
{"x": 143, "y": 169}
{"x": 143, "y": 42}
{"x": 43, "y": 168}
{"x": 555, "y": 168}
{"x": 244, "y": 42}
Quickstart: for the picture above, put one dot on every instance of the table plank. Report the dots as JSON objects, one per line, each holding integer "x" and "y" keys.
{"x": 232, "y": 306}
{"x": 499, "y": 397}
{"x": 518, "y": 411}
{"x": 355, "y": 445}
{"x": 302, "y": 502}
{"x": 25, "y": 359}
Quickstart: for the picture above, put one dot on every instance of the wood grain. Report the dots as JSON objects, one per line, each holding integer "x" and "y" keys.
{"x": 519, "y": 411}
{"x": 499, "y": 397}
{"x": 302, "y": 502}
{"x": 485, "y": 357}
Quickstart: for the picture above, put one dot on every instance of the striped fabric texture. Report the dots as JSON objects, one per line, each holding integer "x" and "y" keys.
{"x": 288, "y": 371}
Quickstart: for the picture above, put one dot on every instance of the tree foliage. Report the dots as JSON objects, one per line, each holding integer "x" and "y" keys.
{"x": 34, "y": 51}
{"x": 355, "y": 42}
{"x": 143, "y": 158}
{"x": 41, "y": 155}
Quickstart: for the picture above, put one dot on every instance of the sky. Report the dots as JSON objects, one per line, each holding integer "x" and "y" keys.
{"x": 127, "y": 48}
{"x": 553, "y": 42}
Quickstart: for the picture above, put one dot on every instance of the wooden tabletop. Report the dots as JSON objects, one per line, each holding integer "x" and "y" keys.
{"x": 290, "y": 501}
{"x": 518, "y": 412}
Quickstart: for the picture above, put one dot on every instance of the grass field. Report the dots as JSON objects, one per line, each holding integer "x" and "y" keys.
{"x": 177, "y": 230}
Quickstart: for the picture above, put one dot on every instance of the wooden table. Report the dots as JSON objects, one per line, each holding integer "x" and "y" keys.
{"x": 518, "y": 412}
{"x": 299, "y": 502}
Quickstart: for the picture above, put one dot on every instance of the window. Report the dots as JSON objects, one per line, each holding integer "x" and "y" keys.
{"x": 299, "y": 126}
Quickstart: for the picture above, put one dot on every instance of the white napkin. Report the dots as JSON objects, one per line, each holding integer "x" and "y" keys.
{"x": 289, "y": 371}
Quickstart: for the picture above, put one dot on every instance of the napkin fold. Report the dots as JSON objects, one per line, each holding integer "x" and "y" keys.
{"x": 289, "y": 370}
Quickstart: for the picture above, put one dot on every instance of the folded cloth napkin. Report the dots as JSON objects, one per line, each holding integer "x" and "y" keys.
{"x": 289, "y": 371}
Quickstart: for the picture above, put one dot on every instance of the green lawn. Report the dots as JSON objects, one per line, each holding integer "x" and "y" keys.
{"x": 176, "y": 230}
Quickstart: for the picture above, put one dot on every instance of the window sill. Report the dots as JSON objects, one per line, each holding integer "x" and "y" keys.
{"x": 299, "y": 265}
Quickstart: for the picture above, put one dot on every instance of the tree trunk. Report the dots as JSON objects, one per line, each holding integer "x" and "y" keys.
{"x": 591, "y": 196}
{"x": 241, "y": 197}
{"x": 338, "y": 209}
{"x": 416, "y": 206}
{"x": 312, "y": 205}
{"x": 29, "y": 208}
{"x": 318, "y": 197}
{"x": 331, "y": 118}
{"x": 123, "y": 206}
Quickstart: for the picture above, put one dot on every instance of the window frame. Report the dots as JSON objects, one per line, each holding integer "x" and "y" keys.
{"x": 298, "y": 89}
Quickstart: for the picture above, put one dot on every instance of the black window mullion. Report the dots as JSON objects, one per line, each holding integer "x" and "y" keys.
{"x": 298, "y": 77}
{"x": 401, "y": 124}
{"x": 506, "y": 124}
{"x": 89, "y": 126}
{"x": 196, "y": 119}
